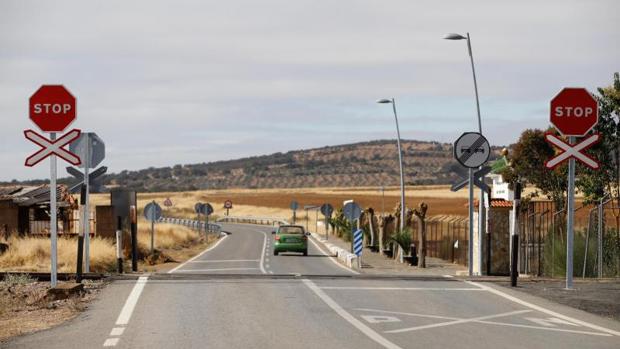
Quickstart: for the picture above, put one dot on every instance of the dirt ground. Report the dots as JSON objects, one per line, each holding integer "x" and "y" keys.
{"x": 25, "y": 306}
{"x": 597, "y": 297}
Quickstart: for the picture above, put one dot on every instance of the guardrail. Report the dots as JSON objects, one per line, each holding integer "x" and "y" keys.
{"x": 252, "y": 220}
{"x": 194, "y": 224}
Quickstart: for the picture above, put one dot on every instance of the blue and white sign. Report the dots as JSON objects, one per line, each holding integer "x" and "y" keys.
{"x": 357, "y": 242}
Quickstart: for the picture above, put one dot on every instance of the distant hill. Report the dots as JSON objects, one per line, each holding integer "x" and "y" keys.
{"x": 371, "y": 163}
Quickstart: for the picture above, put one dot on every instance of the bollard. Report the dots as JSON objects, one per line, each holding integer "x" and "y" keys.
{"x": 119, "y": 244}
{"x": 414, "y": 254}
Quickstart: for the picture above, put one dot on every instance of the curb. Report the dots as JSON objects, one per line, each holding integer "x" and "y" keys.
{"x": 343, "y": 256}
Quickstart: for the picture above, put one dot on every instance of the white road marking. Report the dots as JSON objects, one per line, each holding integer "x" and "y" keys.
{"x": 267, "y": 266}
{"x": 370, "y": 333}
{"x": 270, "y": 272}
{"x": 198, "y": 255}
{"x": 132, "y": 300}
{"x": 225, "y": 261}
{"x": 377, "y": 319}
{"x": 262, "y": 256}
{"x": 550, "y": 322}
{"x": 399, "y": 288}
{"x": 481, "y": 322}
{"x": 208, "y": 270}
{"x": 111, "y": 342}
{"x": 460, "y": 321}
{"x": 117, "y": 331}
{"x": 543, "y": 310}
{"x": 330, "y": 257}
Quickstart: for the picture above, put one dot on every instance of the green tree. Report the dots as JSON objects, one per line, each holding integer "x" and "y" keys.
{"x": 527, "y": 161}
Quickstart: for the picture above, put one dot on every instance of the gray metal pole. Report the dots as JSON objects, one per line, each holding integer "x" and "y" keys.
{"x": 402, "y": 176}
{"x": 599, "y": 252}
{"x": 53, "y": 219}
{"x": 470, "y": 243}
{"x": 87, "y": 206}
{"x": 570, "y": 233}
{"x": 153, "y": 229}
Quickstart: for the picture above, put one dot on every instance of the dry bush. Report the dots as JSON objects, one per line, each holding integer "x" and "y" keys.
{"x": 33, "y": 254}
{"x": 167, "y": 236}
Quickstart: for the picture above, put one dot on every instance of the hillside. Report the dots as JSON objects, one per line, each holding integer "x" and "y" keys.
{"x": 372, "y": 163}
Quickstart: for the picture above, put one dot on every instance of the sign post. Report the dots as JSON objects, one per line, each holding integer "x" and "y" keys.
{"x": 327, "y": 210}
{"x": 472, "y": 150}
{"x": 152, "y": 213}
{"x": 228, "y": 205}
{"x": 294, "y": 206}
{"x": 352, "y": 213}
{"x": 92, "y": 151}
{"x": 574, "y": 112}
{"x": 52, "y": 108}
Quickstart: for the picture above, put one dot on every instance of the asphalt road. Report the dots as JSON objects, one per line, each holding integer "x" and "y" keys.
{"x": 238, "y": 295}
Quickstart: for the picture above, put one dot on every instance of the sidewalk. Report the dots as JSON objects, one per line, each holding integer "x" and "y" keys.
{"x": 374, "y": 263}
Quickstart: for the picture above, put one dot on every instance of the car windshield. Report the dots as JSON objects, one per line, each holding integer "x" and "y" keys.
{"x": 291, "y": 230}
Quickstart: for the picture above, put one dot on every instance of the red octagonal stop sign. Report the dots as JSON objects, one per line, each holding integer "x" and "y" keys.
{"x": 574, "y": 112}
{"x": 52, "y": 108}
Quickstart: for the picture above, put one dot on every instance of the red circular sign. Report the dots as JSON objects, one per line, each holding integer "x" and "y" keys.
{"x": 52, "y": 108}
{"x": 228, "y": 204}
{"x": 574, "y": 112}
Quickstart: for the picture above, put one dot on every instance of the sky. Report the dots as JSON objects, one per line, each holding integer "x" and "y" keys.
{"x": 180, "y": 82}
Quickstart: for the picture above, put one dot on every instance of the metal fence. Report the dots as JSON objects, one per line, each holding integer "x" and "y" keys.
{"x": 445, "y": 239}
{"x": 193, "y": 224}
{"x": 252, "y": 220}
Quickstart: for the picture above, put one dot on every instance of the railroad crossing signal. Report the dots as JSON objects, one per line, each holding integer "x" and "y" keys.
{"x": 94, "y": 178}
{"x": 478, "y": 182}
{"x": 357, "y": 242}
{"x": 52, "y": 147}
{"x": 91, "y": 149}
{"x": 572, "y": 151}
{"x": 472, "y": 149}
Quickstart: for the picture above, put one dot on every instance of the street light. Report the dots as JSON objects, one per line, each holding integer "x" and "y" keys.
{"x": 400, "y": 162}
{"x": 454, "y": 36}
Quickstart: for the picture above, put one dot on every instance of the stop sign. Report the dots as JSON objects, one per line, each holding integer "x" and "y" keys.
{"x": 52, "y": 108}
{"x": 574, "y": 112}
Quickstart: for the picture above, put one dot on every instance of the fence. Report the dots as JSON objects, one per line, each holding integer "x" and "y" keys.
{"x": 194, "y": 224}
{"x": 445, "y": 239}
{"x": 252, "y": 220}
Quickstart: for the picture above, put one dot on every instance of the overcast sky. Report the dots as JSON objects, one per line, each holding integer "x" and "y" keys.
{"x": 176, "y": 82}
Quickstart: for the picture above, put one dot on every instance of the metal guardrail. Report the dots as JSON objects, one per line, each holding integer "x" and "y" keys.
{"x": 252, "y": 220}
{"x": 194, "y": 224}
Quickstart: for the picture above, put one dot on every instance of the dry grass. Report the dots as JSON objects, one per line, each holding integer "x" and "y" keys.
{"x": 167, "y": 236}
{"x": 33, "y": 254}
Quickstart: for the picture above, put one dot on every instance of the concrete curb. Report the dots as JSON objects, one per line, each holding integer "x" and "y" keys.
{"x": 343, "y": 256}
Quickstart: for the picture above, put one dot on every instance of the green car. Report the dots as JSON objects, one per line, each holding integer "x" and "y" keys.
{"x": 290, "y": 238}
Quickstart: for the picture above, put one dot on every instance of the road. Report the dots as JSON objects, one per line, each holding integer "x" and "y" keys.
{"x": 237, "y": 294}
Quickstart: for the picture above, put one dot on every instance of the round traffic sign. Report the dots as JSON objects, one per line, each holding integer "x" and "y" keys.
{"x": 198, "y": 207}
{"x": 574, "y": 112}
{"x": 207, "y": 209}
{"x": 472, "y": 149}
{"x": 294, "y": 205}
{"x": 327, "y": 210}
{"x": 152, "y": 211}
{"x": 227, "y": 204}
{"x": 352, "y": 211}
{"x": 52, "y": 108}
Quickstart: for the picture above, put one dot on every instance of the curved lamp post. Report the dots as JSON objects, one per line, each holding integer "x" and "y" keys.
{"x": 400, "y": 162}
{"x": 453, "y": 36}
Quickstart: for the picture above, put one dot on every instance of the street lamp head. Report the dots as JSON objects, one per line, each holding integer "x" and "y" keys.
{"x": 454, "y": 36}
{"x": 384, "y": 101}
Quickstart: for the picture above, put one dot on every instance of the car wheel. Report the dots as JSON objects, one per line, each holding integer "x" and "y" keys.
{"x": 275, "y": 253}
{"x": 305, "y": 252}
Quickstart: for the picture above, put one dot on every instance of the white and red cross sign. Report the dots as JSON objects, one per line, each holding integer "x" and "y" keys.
{"x": 49, "y": 147}
{"x": 574, "y": 151}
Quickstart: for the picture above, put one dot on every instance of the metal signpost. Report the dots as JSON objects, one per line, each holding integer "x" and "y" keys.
{"x": 294, "y": 206}
{"x": 228, "y": 205}
{"x": 352, "y": 213}
{"x": 92, "y": 151}
{"x": 52, "y": 108}
{"x": 152, "y": 213}
{"x": 327, "y": 210}
{"x": 574, "y": 112}
{"x": 472, "y": 150}
{"x": 207, "y": 210}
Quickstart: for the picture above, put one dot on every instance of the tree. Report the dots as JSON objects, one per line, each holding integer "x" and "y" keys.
{"x": 596, "y": 184}
{"x": 528, "y": 159}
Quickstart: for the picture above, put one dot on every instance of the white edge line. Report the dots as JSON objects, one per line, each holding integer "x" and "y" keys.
{"x": 208, "y": 270}
{"x": 224, "y": 261}
{"x": 350, "y": 318}
{"x": 399, "y": 288}
{"x": 543, "y": 310}
{"x": 132, "y": 300}
{"x": 198, "y": 255}
{"x": 262, "y": 255}
{"x": 332, "y": 258}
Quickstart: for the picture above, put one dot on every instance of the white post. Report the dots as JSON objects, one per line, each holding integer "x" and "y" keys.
{"x": 570, "y": 234}
{"x": 53, "y": 218}
{"x": 86, "y": 160}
